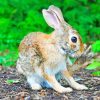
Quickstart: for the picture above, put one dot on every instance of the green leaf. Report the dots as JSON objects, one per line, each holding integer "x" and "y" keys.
{"x": 94, "y": 65}
{"x": 12, "y": 81}
{"x": 96, "y": 73}
{"x": 96, "y": 46}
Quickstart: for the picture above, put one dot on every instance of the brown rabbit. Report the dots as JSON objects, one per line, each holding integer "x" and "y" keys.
{"x": 43, "y": 56}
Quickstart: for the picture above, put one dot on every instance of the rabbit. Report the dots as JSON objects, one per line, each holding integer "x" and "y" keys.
{"x": 42, "y": 56}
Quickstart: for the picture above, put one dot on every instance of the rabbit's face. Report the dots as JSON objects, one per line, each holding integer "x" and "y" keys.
{"x": 70, "y": 42}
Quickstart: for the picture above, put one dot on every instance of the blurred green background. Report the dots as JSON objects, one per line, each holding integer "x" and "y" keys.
{"x": 19, "y": 17}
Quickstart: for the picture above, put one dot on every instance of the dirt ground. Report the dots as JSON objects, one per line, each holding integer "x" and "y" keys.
{"x": 22, "y": 91}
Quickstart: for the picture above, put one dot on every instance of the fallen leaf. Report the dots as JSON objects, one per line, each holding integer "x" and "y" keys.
{"x": 12, "y": 81}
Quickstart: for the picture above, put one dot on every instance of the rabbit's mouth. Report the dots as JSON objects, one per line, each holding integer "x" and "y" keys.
{"x": 74, "y": 54}
{"x": 65, "y": 50}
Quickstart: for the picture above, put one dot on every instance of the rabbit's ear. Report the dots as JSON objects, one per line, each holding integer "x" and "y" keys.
{"x": 57, "y": 11}
{"x": 51, "y": 18}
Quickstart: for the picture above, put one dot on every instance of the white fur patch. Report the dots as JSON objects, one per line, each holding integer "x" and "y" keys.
{"x": 52, "y": 71}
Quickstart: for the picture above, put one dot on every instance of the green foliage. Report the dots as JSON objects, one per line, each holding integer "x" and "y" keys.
{"x": 96, "y": 46}
{"x": 19, "y": 17}
{"x": 96, "y": 73}
{"x": 94, "y": 66}
{"x": 9, "y": 58}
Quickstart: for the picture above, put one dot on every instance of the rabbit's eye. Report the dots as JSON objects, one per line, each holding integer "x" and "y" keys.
{"x": 74, "y": 39}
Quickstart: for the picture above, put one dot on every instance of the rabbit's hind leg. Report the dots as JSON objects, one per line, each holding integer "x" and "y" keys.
{"x": 34, "y": 81}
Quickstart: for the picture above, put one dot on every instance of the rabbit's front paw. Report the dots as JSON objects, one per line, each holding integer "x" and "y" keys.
{"x": 81, "y": 87}
{"x": 36, "y": 87}
{"x": 63, "y": 90}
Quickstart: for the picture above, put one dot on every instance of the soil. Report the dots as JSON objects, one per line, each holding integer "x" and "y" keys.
{"x": 22, "y": 91}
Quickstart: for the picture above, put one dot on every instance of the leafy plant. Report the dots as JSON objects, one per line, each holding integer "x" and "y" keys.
{"x": 9, "y": 58}
{"x": 94, "y": 66}
{"x": 96, "y": 73}
{"x": 96, "y": 46}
